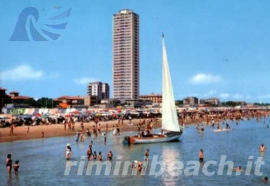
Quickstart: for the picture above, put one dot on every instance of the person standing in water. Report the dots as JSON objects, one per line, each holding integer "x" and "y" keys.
{"x": 262, "y": 148}
{"x": 146, "y": 154}
{"x": 89, "y": 152}
{"x": 16, "y": 167}
{"x": 99, "y": 156}
{"x": 110, "y": 155}
{"x": 95, "y": 155}
{"x": 105, "y": 138}
{"x": 201, "y": 156}
{"x": 9, "y": 163}
{"x": 68, "y": 152}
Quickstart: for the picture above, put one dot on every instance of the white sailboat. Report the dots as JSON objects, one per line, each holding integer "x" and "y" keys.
{"x": 170, "y": 130}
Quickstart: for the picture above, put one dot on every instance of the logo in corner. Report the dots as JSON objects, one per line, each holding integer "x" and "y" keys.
{"x": 28, "y": 27}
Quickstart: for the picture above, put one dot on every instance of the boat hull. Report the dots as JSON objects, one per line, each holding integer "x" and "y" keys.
{"x": 222, "y": 130}
{"x": 153, "y": 138}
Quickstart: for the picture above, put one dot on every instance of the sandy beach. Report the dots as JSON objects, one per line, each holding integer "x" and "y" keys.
{"x": 54, "y": 130}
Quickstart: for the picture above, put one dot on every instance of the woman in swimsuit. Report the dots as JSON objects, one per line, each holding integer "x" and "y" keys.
{"x": 9, "y": 163}
{"x": 89, "y": 152}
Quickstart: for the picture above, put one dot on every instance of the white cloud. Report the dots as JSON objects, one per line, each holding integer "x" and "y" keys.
{"x": 21, "y": 72}
{"x": 205, "y": 79}
{"x": 224, "y": 95}
{"x": 84, "y": 80}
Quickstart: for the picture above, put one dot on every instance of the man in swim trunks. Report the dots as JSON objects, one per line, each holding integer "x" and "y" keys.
{"x": 201, "y": 156}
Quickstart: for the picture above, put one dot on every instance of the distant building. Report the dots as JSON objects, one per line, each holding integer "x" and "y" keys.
{"x": 126, "y": 62}
{"x": 202, "y": 101}
{"x": 155, "y": 98}
{"x": 212, "y": 101}
{"x": 99, "y": 89}
{"x": 90, "y": 101}
{"x": 135, "y": 103}
{"x": 16, "y": 98}
{"x": 70, "y": 101}
{"x": 4, "y": 98}
{"x": 19, "y": 101}
{"x": 191, "y": 101}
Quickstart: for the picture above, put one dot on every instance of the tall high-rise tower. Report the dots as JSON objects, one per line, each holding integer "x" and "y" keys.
{"x": 126, "y": 62}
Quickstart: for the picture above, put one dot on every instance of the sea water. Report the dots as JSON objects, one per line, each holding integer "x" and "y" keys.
{"x": 42, "y": 161}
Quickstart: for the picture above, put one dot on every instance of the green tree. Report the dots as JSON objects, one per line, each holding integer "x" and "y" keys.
{"x": 45, "y": 102}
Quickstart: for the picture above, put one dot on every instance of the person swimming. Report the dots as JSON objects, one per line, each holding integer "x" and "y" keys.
{"x": 238, "y": 169}
{"x": 265, "y": 179}
{"x": 68, "y": 151}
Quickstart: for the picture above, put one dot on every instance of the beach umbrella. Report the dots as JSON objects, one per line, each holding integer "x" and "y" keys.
{"x": 26, "y": 116}
{"x": 4, "y": 117}
{"x": 45, "y": 116}
{"x": 38, "y": 115}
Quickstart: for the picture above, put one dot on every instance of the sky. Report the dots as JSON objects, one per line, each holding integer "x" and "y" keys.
{"x": 215, "y": 48}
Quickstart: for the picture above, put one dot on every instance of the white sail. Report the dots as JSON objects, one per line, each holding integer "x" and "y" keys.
{"x": 169, "y": 116}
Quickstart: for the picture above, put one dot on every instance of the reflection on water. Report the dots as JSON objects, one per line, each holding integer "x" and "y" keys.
{"x": 42, "y": 161}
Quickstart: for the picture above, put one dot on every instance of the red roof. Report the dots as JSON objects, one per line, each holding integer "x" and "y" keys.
{"x": 2, "y": 88}
{"x": 14, "y": 92}
{"x": 21, "y": 97}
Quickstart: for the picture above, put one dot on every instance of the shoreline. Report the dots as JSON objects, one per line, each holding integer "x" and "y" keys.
{"x": 57, "y": 130}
